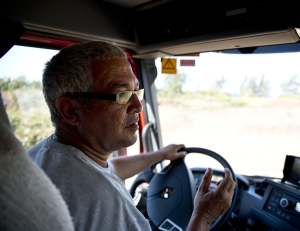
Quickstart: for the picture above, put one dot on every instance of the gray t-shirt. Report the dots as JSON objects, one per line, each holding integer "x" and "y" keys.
{"x": 97, "y": 198}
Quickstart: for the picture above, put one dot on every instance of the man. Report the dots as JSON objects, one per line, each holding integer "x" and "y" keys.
{"x": 94, "y": 101}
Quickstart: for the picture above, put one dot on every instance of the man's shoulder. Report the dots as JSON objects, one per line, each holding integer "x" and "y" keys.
{"x": 57, "y": 158}
{"x": 49, "y": 145}
{"x": 35, "y": 149}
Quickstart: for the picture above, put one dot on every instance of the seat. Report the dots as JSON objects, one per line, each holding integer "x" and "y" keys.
{"x": 28, "y": 198}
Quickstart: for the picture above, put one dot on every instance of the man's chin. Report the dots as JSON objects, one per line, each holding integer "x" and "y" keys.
{"x": 129, "y": 141}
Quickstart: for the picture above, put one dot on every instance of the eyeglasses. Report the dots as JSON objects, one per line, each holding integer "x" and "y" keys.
{"x": 122, "y": 97}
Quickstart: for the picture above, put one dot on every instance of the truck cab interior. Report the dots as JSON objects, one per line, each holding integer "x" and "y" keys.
{"x": 166, "y": 41}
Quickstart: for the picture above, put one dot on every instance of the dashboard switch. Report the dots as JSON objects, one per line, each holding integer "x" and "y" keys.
{"x": 284, "y": 203}
{"x": 166, "y": 193}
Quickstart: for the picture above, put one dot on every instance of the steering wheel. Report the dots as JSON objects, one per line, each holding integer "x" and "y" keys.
{"x": 171, "y": 192}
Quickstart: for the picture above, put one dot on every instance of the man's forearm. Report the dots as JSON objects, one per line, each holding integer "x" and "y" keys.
{"x": 128, "y": 166}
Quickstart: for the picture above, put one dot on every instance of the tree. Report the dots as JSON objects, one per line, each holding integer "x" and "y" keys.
{"x": 291, "y": 86}
{"x": 6, "y": 84}
{"x": 174, "y": 83}
{"x": 219, "y": 83}
{"x": 253, "y": 88}
{"x": 27, "y": 111}
{"x": 9, "y": 85}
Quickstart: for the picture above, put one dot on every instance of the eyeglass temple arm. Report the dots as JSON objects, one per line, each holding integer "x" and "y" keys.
{"x": 90, "y": 95}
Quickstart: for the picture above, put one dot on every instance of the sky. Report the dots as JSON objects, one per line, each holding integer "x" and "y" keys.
{"x": 25, "y": 61}
{"x": 209, "y": 67}
{"x": 277, "y": 68}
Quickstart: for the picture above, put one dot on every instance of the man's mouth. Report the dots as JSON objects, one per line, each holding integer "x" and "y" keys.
{"x": 133, "y": 125}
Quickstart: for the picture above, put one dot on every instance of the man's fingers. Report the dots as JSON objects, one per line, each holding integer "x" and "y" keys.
{"x": 182, "y": 153}
{"x": 173, "y": 152}
{"x": 180, "y": 146}
{"x": 231, "y": 188}
{"x": 228, "y": 173}
{"x": 205, "y": 183}
{"x": 179, "y": 151}
{"x": 227, "y": 183}
{"x": 227, "y": 178}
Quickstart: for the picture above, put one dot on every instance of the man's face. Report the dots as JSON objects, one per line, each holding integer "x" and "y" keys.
{"x": 108, "y": 126}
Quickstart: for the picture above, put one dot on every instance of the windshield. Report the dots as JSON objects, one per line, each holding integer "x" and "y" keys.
{"x": 246, "y": 107}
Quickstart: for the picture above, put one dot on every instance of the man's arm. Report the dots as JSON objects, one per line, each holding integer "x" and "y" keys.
{"x": 209, "y": 204}
{"x": 128, "y": 166}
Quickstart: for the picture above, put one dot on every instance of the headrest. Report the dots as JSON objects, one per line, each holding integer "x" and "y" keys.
{"x": 28, "y": 199}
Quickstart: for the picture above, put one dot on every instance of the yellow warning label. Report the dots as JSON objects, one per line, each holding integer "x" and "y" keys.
{"x": 168, "y": 66}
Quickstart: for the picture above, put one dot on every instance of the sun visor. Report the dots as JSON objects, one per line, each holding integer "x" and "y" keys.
{"x": 178, "y": 27}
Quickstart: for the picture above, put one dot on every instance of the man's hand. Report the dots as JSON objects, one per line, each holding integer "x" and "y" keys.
{"x": 209, "y": 204}
{"x": 170, "y": 152}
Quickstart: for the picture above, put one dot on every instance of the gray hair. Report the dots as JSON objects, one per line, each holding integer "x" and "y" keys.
{"x": 71, "y": 71}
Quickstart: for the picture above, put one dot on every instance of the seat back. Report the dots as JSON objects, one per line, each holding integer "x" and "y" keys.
{"x": 28, "y": 199}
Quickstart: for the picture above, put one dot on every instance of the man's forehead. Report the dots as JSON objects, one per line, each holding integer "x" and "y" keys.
{"x": 114, "y": 74}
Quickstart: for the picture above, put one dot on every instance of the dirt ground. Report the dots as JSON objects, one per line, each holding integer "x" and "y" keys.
{"x": 254, "y": 139}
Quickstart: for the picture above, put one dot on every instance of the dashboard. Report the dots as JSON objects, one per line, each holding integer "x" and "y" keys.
{"x": 262, "y": 203}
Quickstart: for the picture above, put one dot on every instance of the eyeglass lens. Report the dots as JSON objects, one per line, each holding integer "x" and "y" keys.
{"x": 125, "y": 96}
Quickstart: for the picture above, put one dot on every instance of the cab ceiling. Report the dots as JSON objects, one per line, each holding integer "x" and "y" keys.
{"x": 117, "y": 21}
{"x": 129, "y": 4}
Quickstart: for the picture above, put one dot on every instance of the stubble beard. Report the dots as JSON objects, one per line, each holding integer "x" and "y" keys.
{"x": 125, "y": 142}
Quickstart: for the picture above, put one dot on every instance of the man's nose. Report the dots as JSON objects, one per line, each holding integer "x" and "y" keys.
{"x": 136, "y": 104}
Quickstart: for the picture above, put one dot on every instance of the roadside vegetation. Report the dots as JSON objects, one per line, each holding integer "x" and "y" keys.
{"x": 253, "y": 91}
{"x": 27, "y": 110}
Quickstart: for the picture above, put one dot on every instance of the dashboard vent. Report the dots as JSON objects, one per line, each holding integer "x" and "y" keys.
{"x": 260, "y": 188}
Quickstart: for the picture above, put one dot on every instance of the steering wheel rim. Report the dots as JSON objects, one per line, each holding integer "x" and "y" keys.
{"x": 149, "y": 176}
{"x": 220, "y": 220}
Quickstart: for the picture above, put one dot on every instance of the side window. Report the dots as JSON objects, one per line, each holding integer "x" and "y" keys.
{"x": 20, "y": 81}
{"x": 21, "y": 72}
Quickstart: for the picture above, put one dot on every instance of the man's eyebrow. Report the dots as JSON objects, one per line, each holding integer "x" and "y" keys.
{"x": 124, "y": 85}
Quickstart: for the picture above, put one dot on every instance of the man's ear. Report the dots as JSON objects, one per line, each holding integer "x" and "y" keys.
{"x": 68, "y": 109}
